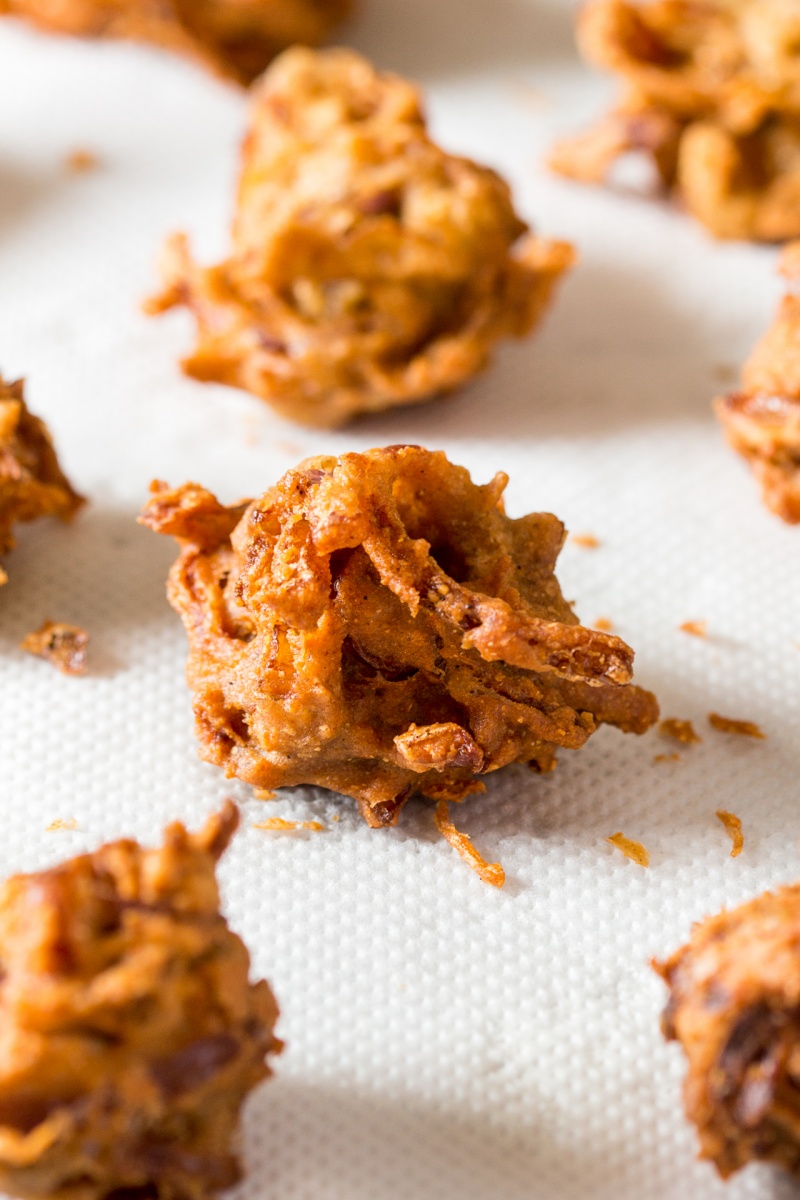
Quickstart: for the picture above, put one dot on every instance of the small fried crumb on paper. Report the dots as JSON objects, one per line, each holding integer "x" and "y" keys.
{"x": 733, "y": 827}
{"x": 635, "y": 851}
{"x": 679, "y": 731}
{"x": 698, "y": 629}
{"x": 62, "y": 645}
{"x": 604, "y": 625}
{"x": 730, "y": 725}
{"x": 80, "y": 160}
{"x": 61, "y": 823}
{"x": 586, "y": 541}
{"x": 663, "y": 758}
{"x": 491, "y": 873}
{"x": 279, "y": 825}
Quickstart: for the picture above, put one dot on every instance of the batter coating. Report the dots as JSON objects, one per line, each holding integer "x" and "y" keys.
{"x": 368, "y": 267}
{"x": 129, "y": 1034}
{"x": 376, "y": 625}
{"x": 712, "y": 95}
{"x": 735, "y": 1008}
{"x": 235, "y": 38}
{"x": 32, "y": 484}
{"x": 762, "y": 419}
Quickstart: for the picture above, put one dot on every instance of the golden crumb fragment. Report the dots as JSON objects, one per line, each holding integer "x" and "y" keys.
{"x": 698, "y": 629}
{"x": 761, "y": 419}
{"x": 67, "y": 823}
{"x": 733, "y": 827}
{"x": 279, "y": 825}
{"x": 586, "y": 541}
{"x": 664, "y": 758}
{"x": 80, "y": 161}
{"x": 131, "y": 1030}
{"x": 233, "y": 38}
{"x": 635, "y": 851}
{"x": 375, "y": 624}
{"x": 64, "y": 646}
{"x": 32, "y": 484}
{"x": 369, "y": 268}
{"x": 711, "y": 96}
{"x": 491, "y": 873}
{"x": 679, "y": 731}
{"x": 730, "y": 725}
{"x": 604, "y": 624}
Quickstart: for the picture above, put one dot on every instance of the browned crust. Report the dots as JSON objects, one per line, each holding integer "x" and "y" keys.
{"x": 375, "y": 624}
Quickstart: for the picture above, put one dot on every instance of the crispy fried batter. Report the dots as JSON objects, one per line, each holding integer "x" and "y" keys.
{"x": 733, "y": 828}
{"x": 234, "y": 38}
{"x": 279, "y": 825}
{"x": 368, "y": 267}
{"x": 762, "y": 419}
{"x": 698, "y": 629}
{"x": 62, "y": 645}
{"x": 712, "y": 95}
{"x": 491, "y": 873}
{"x": 679, "y": 730}
{"x": 375, "y": 624}
{"x": 32, "y": 484}
{"x": 635, "y": 851}
{"x": 130, "y": 1033}
{"x": 733, "y": 1006}
{"x": 731, "y": 725}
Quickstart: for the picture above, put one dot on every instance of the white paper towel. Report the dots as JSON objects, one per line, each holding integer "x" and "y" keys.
{"x": 443, "y": 1040}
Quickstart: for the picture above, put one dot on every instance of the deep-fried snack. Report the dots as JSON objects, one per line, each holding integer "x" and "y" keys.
{"x": 234, "y": 38}
{"x": 130, "y": 1034}
{"x": 368, "y": 267}
{"x": 65, "y": 646}
{"x": 712, "y": 95}
{"x": 762, "y": 419}
{"x": 734, "y": 1006}
{"x": 31, "y": 482}
{"x": 375, "y": 624}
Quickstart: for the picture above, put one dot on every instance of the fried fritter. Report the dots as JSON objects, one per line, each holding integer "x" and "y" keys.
{"x": 368, "y": 267}
{"x": 129, "y": 1033}
{"x": 712, "y": 94}
{"x": 32, "y": 484}
{"x": 376, "y": 625}
{"x": 735, "y": 1008}
{"x": 234, "y": 38}
{"x": 762, "y": 419}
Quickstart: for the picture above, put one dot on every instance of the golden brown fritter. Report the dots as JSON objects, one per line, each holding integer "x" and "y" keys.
{"x": 32, "y": 484}
{"x": 235, "y": 38}
{"x": 129, "y": 1033}
{"x": 762, "y": 419}
{"x": 368, "y": 267}
{"x": 712, "y": 94}
{"x": 375, "y": 624}
{"x": 735, "y": 1008}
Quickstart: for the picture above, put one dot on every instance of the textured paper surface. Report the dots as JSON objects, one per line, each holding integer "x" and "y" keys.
{"x": 443, "y": 1040}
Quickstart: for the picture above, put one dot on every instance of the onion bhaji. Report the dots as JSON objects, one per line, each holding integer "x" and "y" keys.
{"x": 368, "y": 267}
{"x": 375, "y": 624}
{"x": 762, "y": 419}
{"x": 234, "y": 38}
{"x": 735, "y": 1008}
{"x": 32, "y": 484}
{"x": 129, "y": 1033}
{"x": 712, "y": 95}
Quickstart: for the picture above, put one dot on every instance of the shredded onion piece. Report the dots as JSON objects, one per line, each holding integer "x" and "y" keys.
{"x": 733, "y": 827}
{"x": 278, "y": 825}
{"x": 491, "y": 873}
{"x": 587, "y": 541}
{"x": 635, "y": 851}
{"x": 729, "y": 725}
{"x": 695, "y": 628}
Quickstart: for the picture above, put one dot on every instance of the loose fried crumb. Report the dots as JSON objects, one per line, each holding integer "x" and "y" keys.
{"x": 265, "y": 794}
{"x": 663, "y": 758}
{"x": 62, "y": 823}
{"x": 733, "y": 827}
{"x": 679, "y": 731}
{"x": 698, "y": 629}
{"x": 635, "y": 851}
{"x": 368, "y": 268}
{"x": 80, "y": 161}
{"x": 279, "y": 825}
{"x": 729, "y": 725}
{"x": 491, "y": 873}
{"x": 604, "y": 624}
{"x": 586, "y": 541}
{"x": 63, "y": 646}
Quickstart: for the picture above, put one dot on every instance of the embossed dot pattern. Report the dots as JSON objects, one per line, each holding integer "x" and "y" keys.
{"x": 444, "y": 1040}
